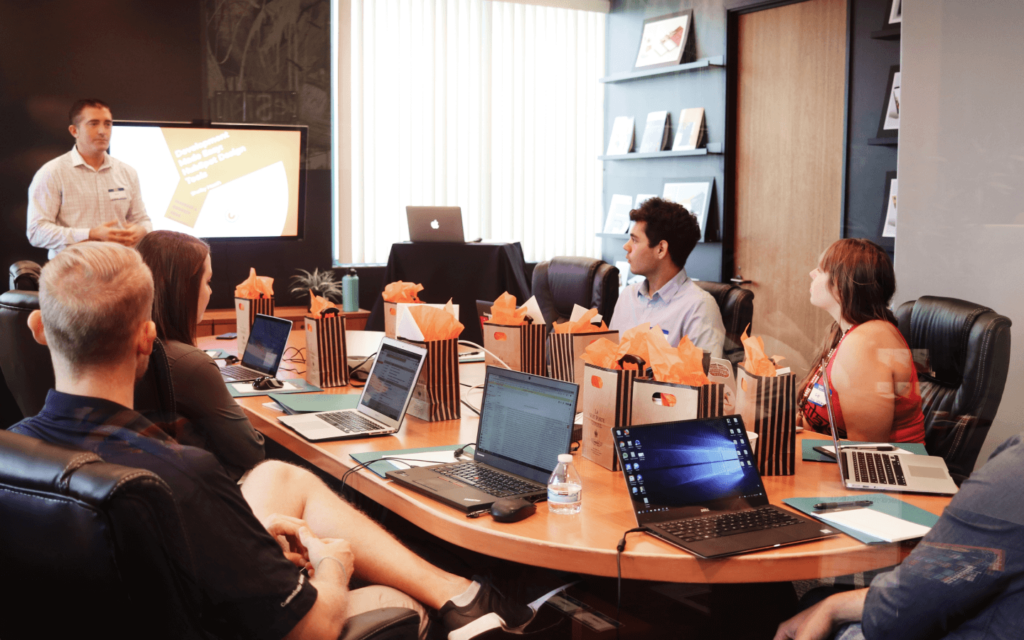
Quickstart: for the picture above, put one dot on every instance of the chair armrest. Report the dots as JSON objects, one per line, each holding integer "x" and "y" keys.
{"x": 393, "y": 623}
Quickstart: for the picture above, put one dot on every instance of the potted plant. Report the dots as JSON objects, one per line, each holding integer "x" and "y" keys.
{"x": 320, "y": 283}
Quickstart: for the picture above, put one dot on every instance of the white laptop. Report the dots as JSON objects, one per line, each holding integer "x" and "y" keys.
{"x": 878, "y": 471}
{"x": 382, "y": 405}
{"x": 435, "y": 224}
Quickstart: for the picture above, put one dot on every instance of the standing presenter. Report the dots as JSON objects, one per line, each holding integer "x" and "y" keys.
{"x": 85, "y": 194}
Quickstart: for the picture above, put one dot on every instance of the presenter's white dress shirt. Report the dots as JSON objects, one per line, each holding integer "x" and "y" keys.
{"x": 68, "y": 197}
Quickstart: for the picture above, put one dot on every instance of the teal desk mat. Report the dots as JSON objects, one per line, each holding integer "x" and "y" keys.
{"x": 301, "y": 387}
{"x": 381, "y": 467}
{"x": 301, "y": 403}
{"x": 882, "y": 502}
{"x": 810, "y": 454}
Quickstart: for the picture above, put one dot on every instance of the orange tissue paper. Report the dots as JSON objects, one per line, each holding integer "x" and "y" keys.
{"x": 255, "y": 286}
{"x": 402, "y": 292}
{"x": 583, "y": 325}
{"x": 754, "y": 360}
{"x": 504, "y": 311}
{"x": 318, "y": 304}
{"x": 437, "y": 324}
{"x": 602, "y": 353}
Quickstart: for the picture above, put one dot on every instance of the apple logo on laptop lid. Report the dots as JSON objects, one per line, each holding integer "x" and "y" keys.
{"x": 434, "y": 224}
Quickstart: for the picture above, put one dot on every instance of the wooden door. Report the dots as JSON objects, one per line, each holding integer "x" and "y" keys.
{"x": 790, "y": 90}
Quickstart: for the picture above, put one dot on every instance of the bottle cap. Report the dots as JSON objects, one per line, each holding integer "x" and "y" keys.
{"x": 565, "y": 457}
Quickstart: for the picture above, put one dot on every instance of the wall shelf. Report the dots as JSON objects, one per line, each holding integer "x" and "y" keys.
{"x": 712, "y": 149}
{"x": 614, "y": 236}
{"x": 888, "y": 33}
{"x": 890, "y": 142}
{"x": 704, "y": 63}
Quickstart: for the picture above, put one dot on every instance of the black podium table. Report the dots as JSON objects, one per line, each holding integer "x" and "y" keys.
{"x": 463, "y": 272}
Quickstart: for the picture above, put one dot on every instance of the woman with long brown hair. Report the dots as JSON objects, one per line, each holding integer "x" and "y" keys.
{"x": 875, "y": 393}
{"x": 181, "y": 277}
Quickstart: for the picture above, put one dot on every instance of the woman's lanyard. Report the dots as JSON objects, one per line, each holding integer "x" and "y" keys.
{"x": 821, "y": 369}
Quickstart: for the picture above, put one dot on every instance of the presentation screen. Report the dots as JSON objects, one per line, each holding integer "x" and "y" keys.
{"x": 222, "y": 181}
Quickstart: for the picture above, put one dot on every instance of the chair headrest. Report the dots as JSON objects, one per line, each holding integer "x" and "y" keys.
{"x": 32, "y": 464}
{"x": 20, "y": 300}
{"x": 942, "y": 326}
{"x": 25, "y": 275}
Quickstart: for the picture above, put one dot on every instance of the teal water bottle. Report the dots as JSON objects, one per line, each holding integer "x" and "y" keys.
{"x": 350, "y": 292}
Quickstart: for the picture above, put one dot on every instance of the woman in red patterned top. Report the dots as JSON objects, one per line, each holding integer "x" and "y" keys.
{"x": 875, "y": 393}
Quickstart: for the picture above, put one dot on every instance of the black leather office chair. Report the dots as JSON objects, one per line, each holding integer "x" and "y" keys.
{"x": 24, "y": 362}
{"x": 737, "y": 307}
{"x": 91, "y": 546}
{"x": 28, "y": 370}
{"x": 565, "y": 281}
{"x": 25, "y": 275}
{"x": 967, "y": 347}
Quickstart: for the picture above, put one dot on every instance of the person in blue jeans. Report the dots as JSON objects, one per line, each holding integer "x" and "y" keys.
{"x": 964, "y": 580}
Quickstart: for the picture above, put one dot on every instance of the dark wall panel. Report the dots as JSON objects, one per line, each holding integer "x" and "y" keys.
{"x": 146, "y": 59}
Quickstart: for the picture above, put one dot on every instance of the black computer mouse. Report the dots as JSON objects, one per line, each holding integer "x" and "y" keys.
{"x": 267, "y": 383}
{"x": 512, "y": 509}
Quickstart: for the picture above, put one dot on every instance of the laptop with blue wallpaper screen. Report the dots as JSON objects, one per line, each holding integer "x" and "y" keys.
{"x": 695, "y": 484}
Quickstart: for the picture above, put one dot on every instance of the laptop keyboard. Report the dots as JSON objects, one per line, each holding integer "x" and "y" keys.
{"x": 236, "y": 372}
{"x": 495, "y": 483}
{"x": 729, "y": 524}
{"x": 876, "y": 468}
{"x": 350, "y": 422}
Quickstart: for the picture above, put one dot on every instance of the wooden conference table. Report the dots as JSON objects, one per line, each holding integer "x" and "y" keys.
{"x": 586, "y": 542}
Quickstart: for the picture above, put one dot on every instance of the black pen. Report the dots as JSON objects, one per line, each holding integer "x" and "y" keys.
{"x": 821, "y": 506}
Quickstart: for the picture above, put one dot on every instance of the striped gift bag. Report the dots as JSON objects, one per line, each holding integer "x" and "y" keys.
{"x": 437, "y": 394}
{"x": 326, "y": 355}
{"x": 768, "y": 408}
{"x": 607, "y": 403}
{"x": 245, "y": 314}
{"x": 655, "y": 401}
{"x": 521, "y": 347}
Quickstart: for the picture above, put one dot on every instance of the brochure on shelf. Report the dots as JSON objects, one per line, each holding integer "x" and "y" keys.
{"x": 623, "y": 136}
{"x": 656, "y": 132}
{"x": 617, "y": 221}
{"x": 691, "y": 131}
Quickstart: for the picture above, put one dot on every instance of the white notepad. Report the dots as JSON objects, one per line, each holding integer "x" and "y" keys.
{"x": 876, "y": 524}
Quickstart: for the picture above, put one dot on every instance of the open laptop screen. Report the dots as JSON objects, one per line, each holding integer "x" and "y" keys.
{"x": 391, "y": 381}
{"x": 689, "y": 467}
{"x": 525, "y": 422}
{"x": 267, "y": 341}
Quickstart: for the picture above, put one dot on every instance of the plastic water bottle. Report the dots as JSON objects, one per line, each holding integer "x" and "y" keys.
{"x": 565, "y": 489}
{"x": 350, "y": 292}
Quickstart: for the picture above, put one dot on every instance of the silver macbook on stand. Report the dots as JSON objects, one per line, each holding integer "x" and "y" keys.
{"x": 435, "y": 224}
{"x": 877, "y": 471}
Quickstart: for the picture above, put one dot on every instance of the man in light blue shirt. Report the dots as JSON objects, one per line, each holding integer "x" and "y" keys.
{"x": 662, "y": 239}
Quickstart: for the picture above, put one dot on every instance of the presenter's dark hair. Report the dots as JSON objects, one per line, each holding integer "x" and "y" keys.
{"x": 666, "y": 220}
{"x": 176, "y": 260}
{"x": 861, "y": 276}
{"x": 80, "y": 105}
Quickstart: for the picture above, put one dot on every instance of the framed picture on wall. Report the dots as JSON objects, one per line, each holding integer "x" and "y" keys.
{"x": 889, "y": 124}
{"x": 896, "y": 12}
{"x": 665, "y": 41}
{"x": 693, "y": 193}
{"x": 889, "y": 207}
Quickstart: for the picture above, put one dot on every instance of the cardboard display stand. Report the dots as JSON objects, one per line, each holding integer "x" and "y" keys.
{"x": 522, "y": 347}
{"x": 245, "y": 314}
{"x": 326, "y": 352}
{"x": 607, "y": 403}
{"x": 768, "y": 408}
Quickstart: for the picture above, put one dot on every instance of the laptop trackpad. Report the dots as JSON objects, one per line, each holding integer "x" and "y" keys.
{"x": 926, "y": 472}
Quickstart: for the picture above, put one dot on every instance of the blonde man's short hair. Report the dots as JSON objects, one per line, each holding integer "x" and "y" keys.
{"x": 93, "y": 297}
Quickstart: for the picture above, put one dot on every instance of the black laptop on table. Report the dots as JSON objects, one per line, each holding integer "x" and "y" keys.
{"x": 525, "y": 423}
{"x": 695, "y": 485}
{"x": 268, "y": 339}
